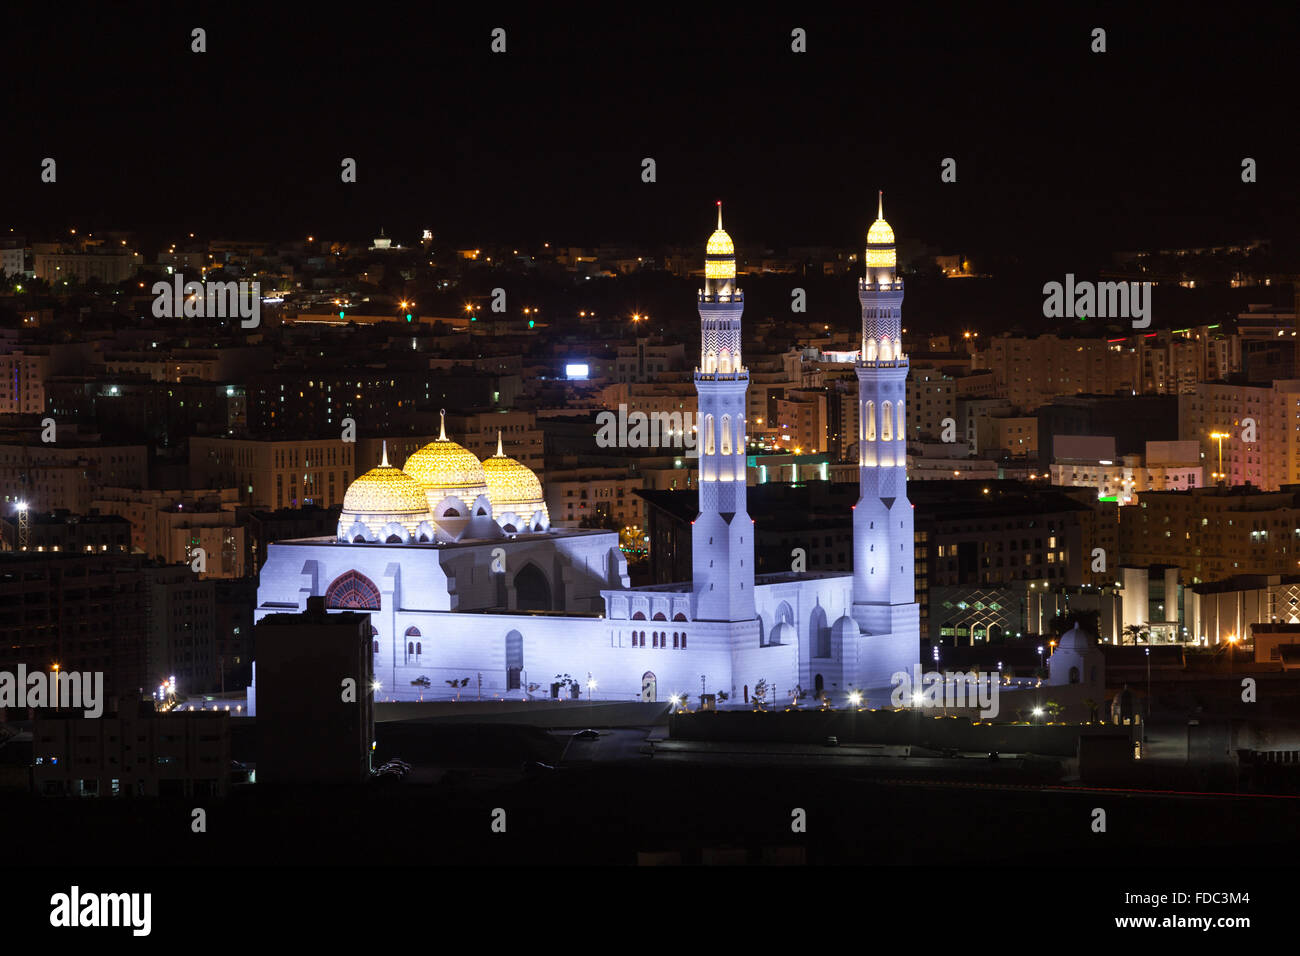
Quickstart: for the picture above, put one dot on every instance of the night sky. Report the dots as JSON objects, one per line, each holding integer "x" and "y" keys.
{"x": 1059, "y": 150}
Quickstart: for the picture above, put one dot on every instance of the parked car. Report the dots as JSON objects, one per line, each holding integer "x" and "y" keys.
{"x": 587, "y": 734}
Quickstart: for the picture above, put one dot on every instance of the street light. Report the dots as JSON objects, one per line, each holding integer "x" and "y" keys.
{"x": 1148, "y": 717}
{"x": 1220, "y": 436}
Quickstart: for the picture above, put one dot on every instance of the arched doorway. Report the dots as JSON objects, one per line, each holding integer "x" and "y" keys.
{"x": 649, "y": 687}
{"x": 817, "y": 686}
{"x": 514, "y": 659}
{"x": 532, "y": 593}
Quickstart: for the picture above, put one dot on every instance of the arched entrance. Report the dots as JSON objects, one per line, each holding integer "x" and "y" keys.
{"x": 532, "y": 593}
{"x": 649, "y": 687}
{"x": 817, "y": 686}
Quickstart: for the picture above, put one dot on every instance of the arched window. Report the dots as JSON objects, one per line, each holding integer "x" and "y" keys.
{"x": 871, "y": 350}
{"x": 643, "y": 638}
{"x": 451, "y": 513}
{"x": 679, "y": 616}
{"x": 393, "y": 539}
{"x": 869, "y": 416}
{"x": 352, "y": 591}
{"x": 659, "y": 616}
{"x": 419, "y": 649}
{"x": 740, "y": 435}
{"x": 726, "y": 434}
{"x": 639, "y": 616}
{"x": 901, "y": 434}
{"x": 886, "y": 351}
{"x": 711, "y": 361}
{"x": 898, "y": 348}
{"x": 410, "y": 647}
{"x": 654, "y": 639}
{"x": 683, "y": 640}
{"x": 886, "y": 422}
{"x": 708, "y": 434}
{"x": 724, "y": 362}
{"x": 514, "y": 659}
{"x": 676, "y": 638}
{"x": 376, "y": 647}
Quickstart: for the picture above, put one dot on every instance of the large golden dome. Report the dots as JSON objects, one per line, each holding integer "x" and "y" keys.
{"x": 385, "y": 504}
{"x": 445, "y": 468}
{"x": 385, "y": 490}
{"x": 512, "y": 486}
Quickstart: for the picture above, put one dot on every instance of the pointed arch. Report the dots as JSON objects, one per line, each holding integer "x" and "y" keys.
{"x": 353, "y": 591}
{"x": 869, "y": 417}
{"x": 886, "y": 422}
{"x": 886, "y": 351}
{"x": 819, "y": 633}
{"x": 724, "y": 362}
{"x": 901, "y": 433}
{"x": 726, "y": 434}
{"x": 532, "y": 590}
{"x": 708, "y": 434}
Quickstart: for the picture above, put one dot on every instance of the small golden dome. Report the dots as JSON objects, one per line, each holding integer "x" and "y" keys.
{"x": 720, "y": 243}
{"x": 385, "y": 490}
{"x": 444, "y": 468}
{"x": 880, "y": 233}
{"x": 512, "y": 486}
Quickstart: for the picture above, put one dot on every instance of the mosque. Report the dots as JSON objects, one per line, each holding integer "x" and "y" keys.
{"x": 466, "y": 580}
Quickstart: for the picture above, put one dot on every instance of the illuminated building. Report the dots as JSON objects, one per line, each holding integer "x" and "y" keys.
{"x": 884, "y": 590}
{"x": 548, "y": 600}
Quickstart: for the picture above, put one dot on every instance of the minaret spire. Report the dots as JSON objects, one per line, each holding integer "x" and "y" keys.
{"x": 722, "y": 536}
{"x": 384, "y": 462}
{"x": 880, "y": 204}
{"x": 442, "y": 429}
{"x": 500, "y": 452}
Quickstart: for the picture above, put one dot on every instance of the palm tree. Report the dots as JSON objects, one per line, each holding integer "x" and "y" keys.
{"x": 1137, "y": 634}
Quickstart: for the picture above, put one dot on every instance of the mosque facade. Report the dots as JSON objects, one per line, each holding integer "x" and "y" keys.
{"x": 471, "y": 591}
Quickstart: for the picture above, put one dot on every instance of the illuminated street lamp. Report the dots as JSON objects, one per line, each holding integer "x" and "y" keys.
{"x": 1220, "y": 436}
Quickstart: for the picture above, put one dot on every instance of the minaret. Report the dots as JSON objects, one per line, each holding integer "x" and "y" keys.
{"x": 722, "y": 535}
{"x": 884, "y": 591}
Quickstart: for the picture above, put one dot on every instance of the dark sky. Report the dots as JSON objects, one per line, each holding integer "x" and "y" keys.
{"x": 1056, "y": 147}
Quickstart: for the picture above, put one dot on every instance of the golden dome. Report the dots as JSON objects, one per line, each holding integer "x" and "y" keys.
{"x": 720, "y": 253}
{"x": 444, "y": 468}
{"x": 880, "y": 233}
{"x": 385, "y": 490}
{"x": 512, "y": 486}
